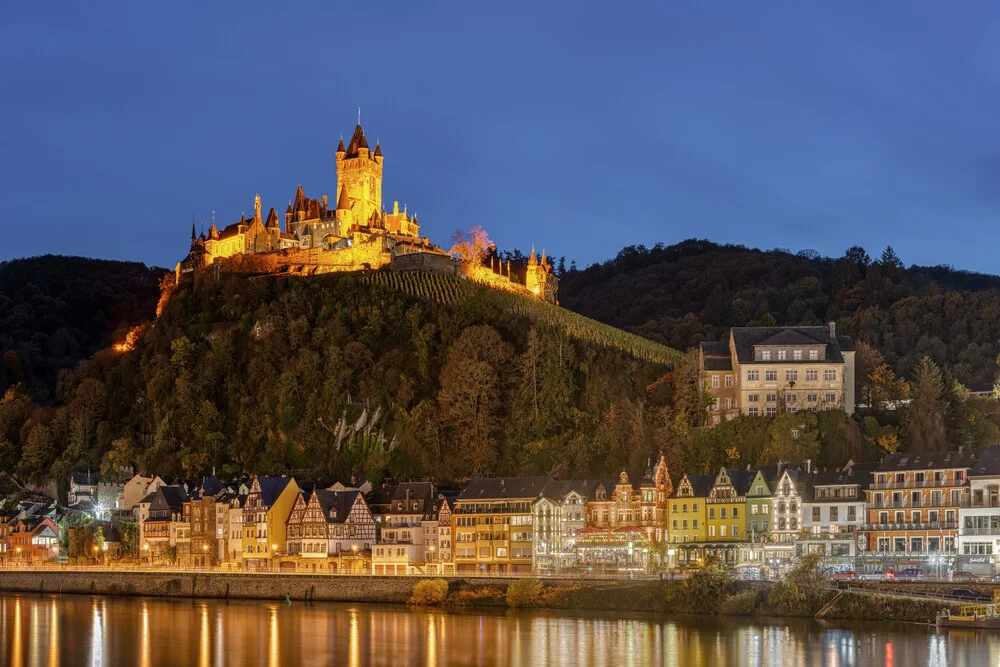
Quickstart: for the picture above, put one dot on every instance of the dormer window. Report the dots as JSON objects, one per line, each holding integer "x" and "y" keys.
{"x": 782, "y": 355}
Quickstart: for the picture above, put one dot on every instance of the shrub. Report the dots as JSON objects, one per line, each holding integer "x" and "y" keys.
{"x": 743, "y": 603}
{"x": 524, "y": 593}
{"x": 429, "y": 592}
{"x": 706, "y": 588}
{"x": 482, "y": 596}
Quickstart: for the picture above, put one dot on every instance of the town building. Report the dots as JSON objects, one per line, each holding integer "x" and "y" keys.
{"x": 229, "y": 528}
{"x": 82, "y": 486}
{"x": 912, "y": 506}
{"x": 33, "y": 539}
{"x": 159, "y": 512}
{"x": 265, "y": 513}
{"x": 204, "y": 522}
{"x": 759, "y": 505}
{"x": 688, "y": 524}
{"x": 134, "y": 490}
{"x": 324, "y": 525}
{"x": 409, "y": 529}
{"x": 979, "y": 520}
{"x": 833, "y": 514}
{"x": 494, "y": 524}
{"x": 766, "y": 370}
{"x": 559, "y": 517}
{"x": 444, "y": 556}
{"x": 726, "y": 516}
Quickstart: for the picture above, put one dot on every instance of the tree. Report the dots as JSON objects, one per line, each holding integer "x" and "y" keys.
{"x": 793, "y": 438}
{"x": 890, "y": 258}
{"x": 878, "y": 386}
{"x": 472, "y": 246}
{"x": 121, "y": 455}
{"x": 923, "y": 425}
{"x": 472, "y": 383}
{"x": 38, "y": 450}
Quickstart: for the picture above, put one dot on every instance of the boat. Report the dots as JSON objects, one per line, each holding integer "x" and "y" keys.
{"x": 982, "y": 616}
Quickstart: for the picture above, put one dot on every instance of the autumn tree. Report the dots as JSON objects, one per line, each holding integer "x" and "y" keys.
{"x": 794, "y": 438}
{"x": 472, "y": 384}
{"x": 472, "y": 245}
{"x": 923, "y": 425}
{"x": 878, "y": 386}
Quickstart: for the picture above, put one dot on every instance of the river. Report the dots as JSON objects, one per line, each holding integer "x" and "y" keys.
{"x": 50, "y": 630}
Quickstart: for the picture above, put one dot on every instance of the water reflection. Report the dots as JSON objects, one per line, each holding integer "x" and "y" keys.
{"x": 48, "y": 630}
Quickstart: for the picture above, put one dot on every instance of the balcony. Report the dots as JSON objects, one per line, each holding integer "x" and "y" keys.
{"x": 934, "y": 525}
{"x": 911, "y": 554}
{"x": 914, "y": 484}
{"x": 907, "y": 503}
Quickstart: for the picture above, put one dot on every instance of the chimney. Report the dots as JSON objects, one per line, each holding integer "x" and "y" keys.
{"x": 833, "y": 330}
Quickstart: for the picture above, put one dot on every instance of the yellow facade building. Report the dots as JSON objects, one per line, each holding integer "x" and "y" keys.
{"x": 688, "y": 512}
{"x": 493, "y": 524}
{"x": 265, "y": 513}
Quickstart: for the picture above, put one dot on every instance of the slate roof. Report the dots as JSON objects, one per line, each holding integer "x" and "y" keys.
{"x": 340, "y": 501}
{"x": 358, "y": 141}
{"x": 271, "y": 488}
{"x": 700, "y": 485}
{"x": 499, "y": 488}
{"x": 898, "y": 461}
{"x": 559, "y": 489}
{"x": 175, "y": 497}
{"x": 85, "y": 478}
{"x": 745, "y": 338}
{"x": 715, "y": 356}
{"x": 740, "y": 478}
{"x": 987, "y": 464}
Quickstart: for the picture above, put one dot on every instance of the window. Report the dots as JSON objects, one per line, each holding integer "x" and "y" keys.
{"x": 736, "y": 530}
{"x": 813, "y": 355}
{"x": 834, "y": 514}
{"x": 831, "y": 398}
{"x": 852, "y": 513}
{"x": 694, "y": 507}
{"x": 711, "y": 531}
{"x": 711, "y": 512}
{"x": 753, "y": 398}
{"x": 830, "y": 375}
{"x": 771, "y": 412}
{"x": 722, "y": 531}
{"x": 729, "y": 380}
{"x": 722, "y": 512}
{"x": 765, "y": 355}
{"x": 815, "y": 513}
{"x": 715, "y": 382}
{"x": 753, "y": 376}
{"x": 694, "y": 524}
{"x": 812, "y": 375}
{"x": 771, "y": 376}
{"x": 715, "y": 403}
{"x": 791, "y": 375}
{"x": 797, "y": 355}
{"x": 736, "y": 512}
{"x": 791, "y": 398}
{"x": 752, "y": 412}
{"x": 729, "y": 404}
{"x": 782, "y": 355}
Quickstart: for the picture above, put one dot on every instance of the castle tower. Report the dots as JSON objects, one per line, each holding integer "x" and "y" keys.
{"x": 359, "y": 177}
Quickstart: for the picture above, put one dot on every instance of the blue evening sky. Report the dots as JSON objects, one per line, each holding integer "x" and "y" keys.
{"x": 577, "y": 126}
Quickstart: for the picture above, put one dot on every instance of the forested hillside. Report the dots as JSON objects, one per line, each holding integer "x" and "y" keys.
{"x": 696, "y": 290}
{"x": 55, "y": 311}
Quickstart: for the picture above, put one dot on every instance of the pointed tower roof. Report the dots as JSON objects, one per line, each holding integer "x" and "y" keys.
{"x": 532, "y": 260}
{"x": 272, "y": 218}
{"x": 340, "y": 146}
{"x": 358, "y": 141}
{"x": 378, "y": 148}
{"x": 343, "y": 202}
{"x": 194, "y": 234}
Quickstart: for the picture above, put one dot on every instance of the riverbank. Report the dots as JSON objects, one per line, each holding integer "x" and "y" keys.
{"x": 698, "y": 595}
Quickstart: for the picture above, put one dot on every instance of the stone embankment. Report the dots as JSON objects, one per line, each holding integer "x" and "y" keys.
{"x": 340, "y": 588}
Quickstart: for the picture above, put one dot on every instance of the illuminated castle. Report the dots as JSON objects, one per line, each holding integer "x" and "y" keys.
{"x": 358, "y": 234}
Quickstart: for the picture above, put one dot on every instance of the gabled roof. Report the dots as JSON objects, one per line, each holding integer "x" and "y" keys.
{"x": 700, "y": 485}
{"x": 740, "y": 480}
{"x": 715, "y": 356}
{"x": 787, "y": 337}
{"x": 174, "y": 496}
{"x": 339, "y": 502}
{"x": 559, "y": 489}
{"x": 271, "y": 488}
{"x": 500, "y": 488}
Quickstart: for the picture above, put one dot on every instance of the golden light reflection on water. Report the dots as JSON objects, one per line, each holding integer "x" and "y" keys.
{"x": 37, "y": 630}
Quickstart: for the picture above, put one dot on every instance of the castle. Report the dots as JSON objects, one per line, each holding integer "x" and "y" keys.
{"x": 357, "y": 235}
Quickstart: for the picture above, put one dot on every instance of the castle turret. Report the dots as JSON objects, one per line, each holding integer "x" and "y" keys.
{"x": 359, "y": 176}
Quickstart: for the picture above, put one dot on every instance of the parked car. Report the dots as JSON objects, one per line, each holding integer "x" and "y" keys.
{"x": 873, "y": 576}
{"x": 964, "y": 576}
{"x": 969, "y": 594}
{"x": 846, "y": 575}
{"x": 909, "y": 574}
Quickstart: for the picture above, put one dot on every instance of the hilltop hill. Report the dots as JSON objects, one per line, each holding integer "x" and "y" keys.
{"x": 695, "y": 290}
{"x": 327, "y": 375}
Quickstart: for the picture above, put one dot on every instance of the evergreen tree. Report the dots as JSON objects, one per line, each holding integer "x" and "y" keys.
{"x": 890, "y": 258}
{"x": 923, "y": 426}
